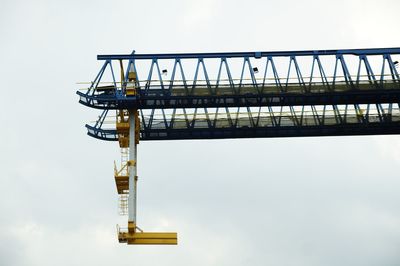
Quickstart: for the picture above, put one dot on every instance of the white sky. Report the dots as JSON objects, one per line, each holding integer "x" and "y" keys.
{"x": 300, "y": 201}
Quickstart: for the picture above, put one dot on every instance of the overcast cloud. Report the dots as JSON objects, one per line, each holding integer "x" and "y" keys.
{"x": 301, "y": 201}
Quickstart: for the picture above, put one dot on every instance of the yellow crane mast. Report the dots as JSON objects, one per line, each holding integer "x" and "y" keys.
{"x": 128, "y": 129}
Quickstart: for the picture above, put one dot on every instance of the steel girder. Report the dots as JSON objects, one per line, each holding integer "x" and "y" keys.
{"x": 312, "y": 80}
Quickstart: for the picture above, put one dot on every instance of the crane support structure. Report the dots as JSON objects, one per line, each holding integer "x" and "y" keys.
{"x": 237, "y": 95}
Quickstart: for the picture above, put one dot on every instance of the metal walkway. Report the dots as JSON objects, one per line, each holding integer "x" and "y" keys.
{"x": 263, "y": 122}
{"x": 246, "y": 79}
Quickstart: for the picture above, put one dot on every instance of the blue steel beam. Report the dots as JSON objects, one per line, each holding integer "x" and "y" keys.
{"x": 279, "y": 132}
{"x": 376, "y": 128}
{"x": 373, "y": 51}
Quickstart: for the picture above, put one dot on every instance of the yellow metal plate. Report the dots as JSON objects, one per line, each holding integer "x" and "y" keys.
{"x": 130, "y": 92}
{"x": 141, "y": 238}
{"x": 152, "y": 242}
{"x": 122, "y": 127}
{"x": 142, "y": 235}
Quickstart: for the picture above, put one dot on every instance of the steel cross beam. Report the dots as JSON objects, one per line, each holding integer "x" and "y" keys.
{"x": 375, "y": 51}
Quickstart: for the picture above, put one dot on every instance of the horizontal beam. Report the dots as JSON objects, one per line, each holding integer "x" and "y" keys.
{"x": 253, "y": 100}
{"x": 261, "y": 132}
{"x": 144, "y": 238}
{"x": 274, "y": 132}
{"x": 373, "y": 51}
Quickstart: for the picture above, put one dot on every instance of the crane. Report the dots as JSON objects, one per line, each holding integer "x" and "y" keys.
{"x": 236, "y": 95}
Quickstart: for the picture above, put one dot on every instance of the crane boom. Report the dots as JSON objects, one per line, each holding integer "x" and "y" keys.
{"x": 237, "y": 95}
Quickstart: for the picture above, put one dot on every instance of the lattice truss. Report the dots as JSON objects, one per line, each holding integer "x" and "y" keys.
{"x": 261, "y": 94}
